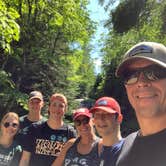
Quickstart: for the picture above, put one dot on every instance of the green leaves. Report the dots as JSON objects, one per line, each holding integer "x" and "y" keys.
{"x": 44, "y": 57}
{"x": 132, "y": 21}
{"x": 9, "y": 29}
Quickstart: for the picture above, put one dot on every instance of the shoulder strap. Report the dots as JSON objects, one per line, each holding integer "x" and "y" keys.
{"x": 68, "y": 131}
{"x": 128, "y": 142}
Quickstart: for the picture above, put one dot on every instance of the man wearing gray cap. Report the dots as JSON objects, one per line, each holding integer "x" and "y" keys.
{"x": 144, "y": 73}
{"x": 35, "y": 104}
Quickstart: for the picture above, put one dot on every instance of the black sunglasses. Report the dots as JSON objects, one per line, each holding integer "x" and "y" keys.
{"x": 7, "y": 124}
{"x": 83, "y": 121}
{"x": 151, "y": 73}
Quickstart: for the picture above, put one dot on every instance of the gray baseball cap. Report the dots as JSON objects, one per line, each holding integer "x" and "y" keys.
{"x": 35, "y": 95}
{"x": 151, "y": 51}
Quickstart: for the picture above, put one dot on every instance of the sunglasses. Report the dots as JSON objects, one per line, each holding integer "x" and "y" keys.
{"x": 7, "y": 124}
{"x": 151, "y": 73}
{"x": 82, "y": 121}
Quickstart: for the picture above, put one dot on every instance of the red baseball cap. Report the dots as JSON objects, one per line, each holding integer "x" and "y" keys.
{"x": 81, "y": 111}
{"x": 107, "y": 104}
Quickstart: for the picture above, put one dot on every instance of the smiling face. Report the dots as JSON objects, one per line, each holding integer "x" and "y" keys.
{"x": 35, "y": 104}
{"x": 83, "y": 125}
{"x": 148, "y": 98}
{"x": 57, "y": 108}
{"x": 10, "y": 125}
{"x": 105, "y": 123}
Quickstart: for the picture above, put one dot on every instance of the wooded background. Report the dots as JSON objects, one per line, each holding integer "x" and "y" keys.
{"x": 45, "y": 45}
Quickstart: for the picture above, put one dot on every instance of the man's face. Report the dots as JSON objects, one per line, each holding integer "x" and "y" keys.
{"x": 105, "y": 123}
{"x": 35, "y": 104}
{"x": 57, "y": 108}
{"x": 148, "y": 98}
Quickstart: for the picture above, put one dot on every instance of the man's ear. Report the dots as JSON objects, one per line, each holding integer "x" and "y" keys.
{"x": 43, "y": 104}
{"x": 66, "y": 108}
{"x": 120, "y": 118}
{"x": 92, "y": 119}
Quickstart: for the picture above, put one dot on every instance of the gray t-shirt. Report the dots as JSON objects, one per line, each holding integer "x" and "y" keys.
{"x": 10, "y": 156}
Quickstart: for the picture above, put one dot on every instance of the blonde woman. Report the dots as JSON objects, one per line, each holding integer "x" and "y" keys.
{"x": 10, "y": 151}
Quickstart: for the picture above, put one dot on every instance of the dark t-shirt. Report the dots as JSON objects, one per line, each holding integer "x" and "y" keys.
{"x": 45, "y": 143}
{"x": 25, "y": 123}
{"x": 109, "y": 154}
{"x": 73, "y": 158}
{"x": 10, "y": 156}
{"x": 145, "y": 151}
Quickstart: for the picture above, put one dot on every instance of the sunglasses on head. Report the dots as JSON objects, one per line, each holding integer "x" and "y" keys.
{"x": 151, "y": 73}
{"x": 83, "y": 121}
{"x": 7, "y": 124}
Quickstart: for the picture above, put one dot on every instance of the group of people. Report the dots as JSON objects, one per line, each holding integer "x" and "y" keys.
{"x": 95, "y": 139}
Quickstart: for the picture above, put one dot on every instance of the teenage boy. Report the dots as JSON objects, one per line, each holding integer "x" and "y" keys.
{"x": 45, "y": 141}
{"x": 107, "y": 119}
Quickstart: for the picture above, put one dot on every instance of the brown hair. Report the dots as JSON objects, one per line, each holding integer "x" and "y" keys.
{"x": 60, "y": 97}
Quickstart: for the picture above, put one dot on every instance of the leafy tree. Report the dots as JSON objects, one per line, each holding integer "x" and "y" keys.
{"x": 147, "y": 24}
{"x": 9, "y": 29}
{"x": 41, "y": 59}
{"x": 126, "y": 15}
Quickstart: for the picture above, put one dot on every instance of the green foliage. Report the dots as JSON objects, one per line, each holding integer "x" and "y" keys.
{"x": 45, "y": 57}
{"x": 82, "y": 73}
{"x": 9, "y": 95}
{"x": 9, "y": 29}
{"x": 148, "y": 24}
{"x": 126, "y": 15}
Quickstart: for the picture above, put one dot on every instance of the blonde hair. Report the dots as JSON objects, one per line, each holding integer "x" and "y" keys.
{"x": 10, "y": 114}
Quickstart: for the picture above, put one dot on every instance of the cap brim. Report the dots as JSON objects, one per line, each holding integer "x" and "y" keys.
{"x": 81, "y": 114}
{"x": 106, "y": 109}
{"x": 125, "y": 64}
{"x": 35, "y": 97}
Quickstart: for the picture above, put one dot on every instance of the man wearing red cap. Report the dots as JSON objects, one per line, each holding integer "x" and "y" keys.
{"x": 45, "y": 141}
{"x": 107, "y": 119}
{"x": 143, "y": 70}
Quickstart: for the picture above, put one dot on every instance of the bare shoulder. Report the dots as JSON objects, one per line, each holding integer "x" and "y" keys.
{"x": 68, "y": 144}
{"x": 59, "y": 160}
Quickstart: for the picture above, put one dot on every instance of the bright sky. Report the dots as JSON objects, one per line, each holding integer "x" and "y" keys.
{"x": 98, "y": 14}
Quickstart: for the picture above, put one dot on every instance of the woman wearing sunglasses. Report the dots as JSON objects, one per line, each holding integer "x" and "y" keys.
{"x": 84, "y": 149}
{"x": 10, "y": 151}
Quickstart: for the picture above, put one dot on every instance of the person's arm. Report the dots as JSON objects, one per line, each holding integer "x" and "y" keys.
{"x": 59, "y": 160}
{"x": 25, "y": 158}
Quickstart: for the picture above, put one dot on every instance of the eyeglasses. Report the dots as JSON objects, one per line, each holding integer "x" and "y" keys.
{"x": 7, "y": 124}
{"x": 151, "y": 73}
{"x": 82, "y": 121}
